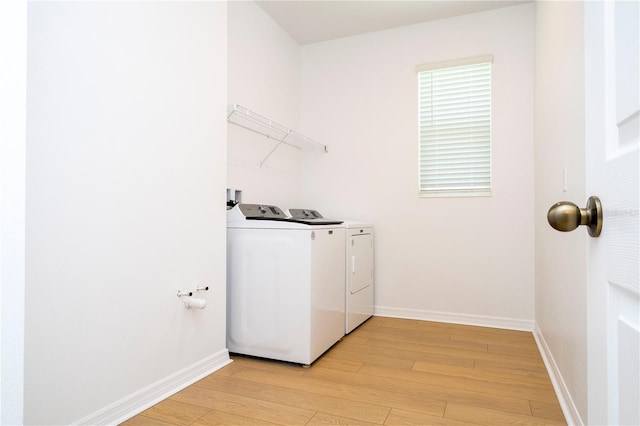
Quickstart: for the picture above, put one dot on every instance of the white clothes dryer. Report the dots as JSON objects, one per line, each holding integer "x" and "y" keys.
{"x": 359, "y": 274}
{"x": 285, "y": 284}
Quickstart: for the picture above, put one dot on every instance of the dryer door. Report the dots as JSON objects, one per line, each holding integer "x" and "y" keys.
{"x": 360, "y": 262}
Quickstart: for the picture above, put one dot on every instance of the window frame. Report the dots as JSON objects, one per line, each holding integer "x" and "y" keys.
{"x": 469, "y": 135}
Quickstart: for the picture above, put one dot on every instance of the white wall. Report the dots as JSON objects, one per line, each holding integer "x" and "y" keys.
{"x": 467, "y": 259}
{"x": 264, "y": 77}
{"x": 125, "y": 193}
{"x": 13, "y": 90}
{"x": 560, "y": 141}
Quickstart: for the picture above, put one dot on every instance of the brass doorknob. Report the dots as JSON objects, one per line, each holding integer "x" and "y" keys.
{"x": 565, "y": 216}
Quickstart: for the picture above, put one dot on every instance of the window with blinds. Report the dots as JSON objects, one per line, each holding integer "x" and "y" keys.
{"x": 455, "y": 127}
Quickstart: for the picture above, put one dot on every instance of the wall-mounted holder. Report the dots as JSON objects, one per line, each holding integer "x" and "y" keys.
{"x": 193, "y": 303}
{"x": 247, "y": 119}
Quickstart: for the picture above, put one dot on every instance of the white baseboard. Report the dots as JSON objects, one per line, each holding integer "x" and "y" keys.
{"x": 571, "y": 414}
{"x": 139, "y": 401}
{"x": 478, "y": 320}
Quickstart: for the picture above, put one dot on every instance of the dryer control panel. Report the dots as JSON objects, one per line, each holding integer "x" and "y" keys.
{"x": 305, "y": 214}
{"x": 311, "y": 217}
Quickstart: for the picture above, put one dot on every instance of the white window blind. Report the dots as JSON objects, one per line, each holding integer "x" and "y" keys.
{"x": 455, "y": 127}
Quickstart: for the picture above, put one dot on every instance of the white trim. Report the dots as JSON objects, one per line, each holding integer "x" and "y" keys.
{"x": 454, "y": 63}
{"x": 455, "y": 318}
{"x": 569, "y": 409}
{"x": 139, "y": 401}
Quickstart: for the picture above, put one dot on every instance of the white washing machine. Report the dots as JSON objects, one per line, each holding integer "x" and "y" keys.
{"x": 358, "y": 268}
{"x": 285, "y": 284}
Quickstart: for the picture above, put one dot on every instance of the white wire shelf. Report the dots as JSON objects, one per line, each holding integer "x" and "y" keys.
{"x": 247, "y": 119}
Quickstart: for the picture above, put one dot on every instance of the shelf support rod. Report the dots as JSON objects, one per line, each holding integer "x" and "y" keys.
{"x": 280, "y": 142}
{"x": 269, "y": 154}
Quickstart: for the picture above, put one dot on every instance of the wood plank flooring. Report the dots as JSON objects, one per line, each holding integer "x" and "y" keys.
{"x": 389, "y": 371}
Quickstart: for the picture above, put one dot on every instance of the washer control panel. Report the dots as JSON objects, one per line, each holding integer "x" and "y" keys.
{"x": 254, "y": 211}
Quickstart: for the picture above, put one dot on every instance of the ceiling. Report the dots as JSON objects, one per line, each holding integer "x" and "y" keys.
{"x": 312, "y": 21}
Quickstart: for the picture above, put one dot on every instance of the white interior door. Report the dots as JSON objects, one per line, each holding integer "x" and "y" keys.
{"x": 612, "y": 99}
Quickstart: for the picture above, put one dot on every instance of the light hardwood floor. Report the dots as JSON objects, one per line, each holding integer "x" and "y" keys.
{"x": 387, "y": 372}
